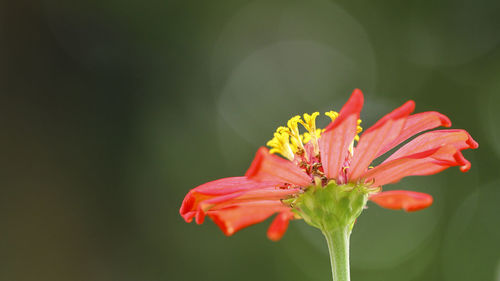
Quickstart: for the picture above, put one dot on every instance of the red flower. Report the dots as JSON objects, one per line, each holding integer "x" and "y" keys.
{"x": 320, "y": 156}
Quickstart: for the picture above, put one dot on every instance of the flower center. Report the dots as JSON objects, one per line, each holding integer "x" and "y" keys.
{"x": 303, "y": 149}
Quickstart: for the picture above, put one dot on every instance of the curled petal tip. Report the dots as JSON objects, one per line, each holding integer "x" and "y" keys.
{"x": 186, "y": 210}
{"x": 200, "y": 217}
{"x": 464, "y": 163}
{"x": 472, "y": 143}
{"x": 445, "y": 121}
{"x": 465, "y": 168}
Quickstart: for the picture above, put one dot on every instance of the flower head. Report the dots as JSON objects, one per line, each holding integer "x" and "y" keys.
{"x": 336, "y": 158}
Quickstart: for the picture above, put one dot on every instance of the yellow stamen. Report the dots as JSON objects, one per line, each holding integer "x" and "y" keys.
{"x": 288, "y": 141}
{"x": 310, "y": 121}
{"x": 359, "y": 129}
{"x": 332, "y": 114}
{"x": 293, "y": 131}
{"x": 293, "y": 125}
{"x": 307, "y": 136}
{"x": 356, "y": 137}
{"x": 295, "y": 144}
{"x": 309, "y": 124}
{"x": 280, "y": 143}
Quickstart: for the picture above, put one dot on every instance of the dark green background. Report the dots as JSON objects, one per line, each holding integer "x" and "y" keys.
{"x": 112, "y": 110}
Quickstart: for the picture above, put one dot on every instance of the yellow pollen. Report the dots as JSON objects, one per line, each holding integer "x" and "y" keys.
{"x": 332, "y": 114}
{"x": 280, "y": 143}
{"x": 293, "y": 131}
{"x": 288, "y": 141}
{"x": 293, "y": 125}
{"x": 309, "y": 121}
{"x": 312, "y": 136}
{"x": 296, "y": 144}
{"x": 358, "y": 127}
{"x": 307, "y": 136}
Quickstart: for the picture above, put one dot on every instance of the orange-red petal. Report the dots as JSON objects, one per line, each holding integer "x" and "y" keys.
{"x": 219, "y": 202}
{"x": 422, "y": 163}
{"x": 337, "y": 138}
{"x": 232, "y": 218}
{"x": 417, "y": 123}
{"x": 456, "y": 137}
{"x": 269, "y": 167}
{"x": 385, "y": 131}
{"x": 234, "y": 186}
{"x": 279, "y": 225}
{"x": 409, "y": 201}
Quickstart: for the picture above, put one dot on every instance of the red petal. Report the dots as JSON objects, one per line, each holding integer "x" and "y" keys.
{"x": 385, "y": 131}
{"x": 465, "y": 166}
{"x": 216, "y": 188}
{"x": 269, "y": 167}
{"x": 279, "y": 225}
{"x": 220, "y": 202}
{"x": 337, "y": 138}
{"x": 233, "y": 218}
{"x": 409, "y": 201}
{"x": 417, "y": 123}
{"x": 457, "y": 138}
{"x": 422, "y": 163}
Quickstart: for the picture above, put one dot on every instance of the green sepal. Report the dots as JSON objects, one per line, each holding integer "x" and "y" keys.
{"x": 333, "y": 206}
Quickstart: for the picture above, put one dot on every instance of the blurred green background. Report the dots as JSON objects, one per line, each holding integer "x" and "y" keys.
{"x": 112, "y": 110}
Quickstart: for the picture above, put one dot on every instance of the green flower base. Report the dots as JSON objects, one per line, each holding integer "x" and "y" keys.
{"x": 334, "y": 209}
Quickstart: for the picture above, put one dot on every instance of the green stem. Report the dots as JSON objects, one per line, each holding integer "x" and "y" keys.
{"x": 338, "y": 247}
